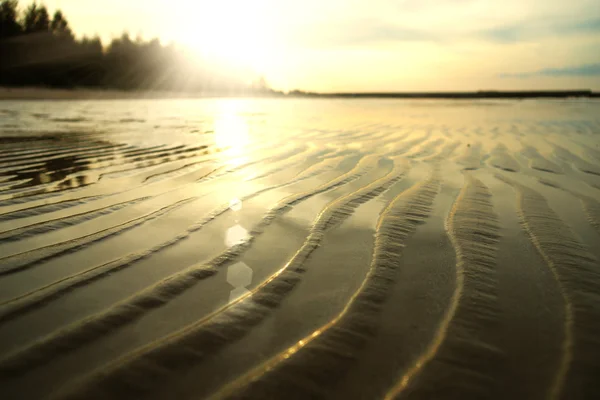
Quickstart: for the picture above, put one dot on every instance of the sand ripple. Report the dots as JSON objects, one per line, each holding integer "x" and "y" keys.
{"x": 145, "y": 259}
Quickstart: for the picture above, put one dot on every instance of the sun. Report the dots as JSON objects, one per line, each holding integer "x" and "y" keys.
{"x": 233, "y": 32}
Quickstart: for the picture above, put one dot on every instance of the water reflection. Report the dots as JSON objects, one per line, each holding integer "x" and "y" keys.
{"x": 54, "y": 170}
{"x": 231, "y": 133}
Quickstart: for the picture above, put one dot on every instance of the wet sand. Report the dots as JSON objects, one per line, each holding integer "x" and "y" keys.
{"x": 307, "y": 248}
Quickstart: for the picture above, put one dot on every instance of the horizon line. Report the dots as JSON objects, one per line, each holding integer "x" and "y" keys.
{"x": 29, "y": 92}
{"x": 455, "y": 94}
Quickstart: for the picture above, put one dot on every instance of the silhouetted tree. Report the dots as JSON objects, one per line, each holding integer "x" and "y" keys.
{"x": 9, "y": 24}
{"x": 10, "y": 30}
{"x": 37, "y": 50}
{"x": 36, "y": 19}
{"x": 60, "y": 27}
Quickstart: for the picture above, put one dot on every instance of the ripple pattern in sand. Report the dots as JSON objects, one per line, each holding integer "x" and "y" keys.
{"x": 183, "y": 246}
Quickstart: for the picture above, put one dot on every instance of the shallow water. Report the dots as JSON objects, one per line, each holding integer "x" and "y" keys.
{"x": 299, "y": 248}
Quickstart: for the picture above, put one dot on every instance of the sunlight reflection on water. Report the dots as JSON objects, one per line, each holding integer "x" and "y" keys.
{"x": 231, "y": 133}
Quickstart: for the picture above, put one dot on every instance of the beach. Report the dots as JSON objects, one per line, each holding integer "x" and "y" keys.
{"x": 299, "y": 248}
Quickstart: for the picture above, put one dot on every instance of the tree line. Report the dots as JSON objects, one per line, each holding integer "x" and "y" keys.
{"x": 37, "y": 49}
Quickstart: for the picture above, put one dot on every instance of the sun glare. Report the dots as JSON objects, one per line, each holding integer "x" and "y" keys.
{"x": 231, "y": 133}
{"x": 230, "y": 31}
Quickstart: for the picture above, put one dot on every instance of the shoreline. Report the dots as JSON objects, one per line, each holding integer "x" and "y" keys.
{"x": 37, "y": 93}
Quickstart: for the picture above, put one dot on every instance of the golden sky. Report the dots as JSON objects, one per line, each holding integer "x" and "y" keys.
{"x": 374, "y": 45}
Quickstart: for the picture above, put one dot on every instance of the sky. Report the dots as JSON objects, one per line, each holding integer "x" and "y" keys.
{"x": 374, "y": 45}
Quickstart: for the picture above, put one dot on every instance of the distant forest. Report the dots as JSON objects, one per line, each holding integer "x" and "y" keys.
{"x": 39, "y": 50}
